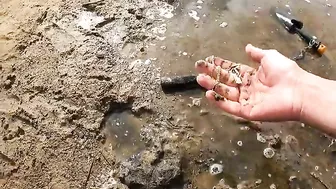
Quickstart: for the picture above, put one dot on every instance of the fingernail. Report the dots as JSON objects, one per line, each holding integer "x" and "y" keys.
{"x": 201, "y": 63}
{"x": 210, "y": 59}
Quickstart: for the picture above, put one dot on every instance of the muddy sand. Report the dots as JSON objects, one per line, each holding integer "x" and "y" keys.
{"x": 81, "y": 104}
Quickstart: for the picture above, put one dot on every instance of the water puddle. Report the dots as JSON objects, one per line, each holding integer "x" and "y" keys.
{"x": 122, "y": 131}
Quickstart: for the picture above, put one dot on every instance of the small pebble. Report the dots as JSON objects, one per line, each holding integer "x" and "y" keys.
{"x": 7, "y": 82}
{"x": 193, "y": 14}
{"x": 204, "y": 112}
{"x": 259, "y": 181}
{"x": 223, "y": 24}
{"x": 269, "y": 153}
{"x": 240, "y": 143}
{"x": 291, "y": 178}
{"x": 163, "y": 47}
{"x": 246, "y": 128}
{"x": 269, "y": 175}
{"x": 272, "y": 186}
{"x": 329, "y": 5}
{"x": 261, "y": 138}
{"x": 316, "y": 168}
{"x": 185, "y": 53}
{"x": 196, "y": 101}
{"x": 216, "y": 169}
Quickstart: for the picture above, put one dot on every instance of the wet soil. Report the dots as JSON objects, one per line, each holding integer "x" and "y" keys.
{"x": 81, "y": 104}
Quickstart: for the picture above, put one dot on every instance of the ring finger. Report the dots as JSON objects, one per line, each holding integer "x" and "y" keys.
{"x": 209, "y": 83}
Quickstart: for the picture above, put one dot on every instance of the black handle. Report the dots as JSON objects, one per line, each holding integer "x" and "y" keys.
{"x": 179, "y": 83}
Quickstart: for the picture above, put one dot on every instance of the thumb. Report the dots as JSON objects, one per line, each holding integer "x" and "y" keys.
{"x": 255, "y": 53}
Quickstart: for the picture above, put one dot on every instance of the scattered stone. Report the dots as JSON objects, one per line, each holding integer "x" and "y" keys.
{"x": 308, "y": 1}
{"x": 222, "y": 185}
{"x": 246, "y": 128}
{"x": 216, "y": 169}
{"x": 272, "y": 186}
{"x": 249, "y": 184}
{"x": 199, "y": 2}
{"x": 199, "y": 7}
{"x": 269, "y": 153}
{"x": 291, "y": 178}
{"x": 223, "y": 24}
{"x": 185, "y": 53}
{"x": 240, "y": 143}
{"x": 193, "y": 14}
{"x": 329, "y": 5}
{"x": 195, "y": 102}
{"x": 204, "y": 112}
{"x": 261, "y": 138}
{"x": 163, "y": 47}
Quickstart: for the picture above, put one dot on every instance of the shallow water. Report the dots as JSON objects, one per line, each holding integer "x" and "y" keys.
{"x": 188, "y": 40}
{"x": 122, "y": 130}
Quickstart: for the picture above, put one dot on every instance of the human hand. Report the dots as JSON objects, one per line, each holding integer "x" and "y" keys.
{"x": 269, "y": 93}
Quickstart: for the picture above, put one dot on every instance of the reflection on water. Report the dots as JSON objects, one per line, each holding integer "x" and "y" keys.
{"x": 188, "y": 40}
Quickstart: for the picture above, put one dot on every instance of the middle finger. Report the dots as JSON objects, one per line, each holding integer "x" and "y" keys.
{"x": 231, "y": 93}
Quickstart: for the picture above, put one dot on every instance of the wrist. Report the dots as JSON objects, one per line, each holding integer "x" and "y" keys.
{"x": 317, "y": 100}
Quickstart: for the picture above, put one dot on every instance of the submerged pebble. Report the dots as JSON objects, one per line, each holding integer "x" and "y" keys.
{"x": 223, "y": 24}
{"x": 216, "y": 169}
{"x": 269, "y": 153}
{"x": 261, "y": 138}
{"x": 203, "y": 112}
{"x": 193, "y": 14}
{"x": 195, "y": 102}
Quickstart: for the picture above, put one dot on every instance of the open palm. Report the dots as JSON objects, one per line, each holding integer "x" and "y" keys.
{"x": 268, "y": 93}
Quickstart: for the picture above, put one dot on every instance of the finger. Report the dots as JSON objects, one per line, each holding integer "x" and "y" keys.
{"x": 228, "y": 92}
{"x": 255, "y": 53}
{"x": 226, "y": 105}
{"x": 227, "y": 64}
{"x": 211, "y": 70}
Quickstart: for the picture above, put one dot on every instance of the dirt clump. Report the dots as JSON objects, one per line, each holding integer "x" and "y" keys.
{"x": 156, "y": 167}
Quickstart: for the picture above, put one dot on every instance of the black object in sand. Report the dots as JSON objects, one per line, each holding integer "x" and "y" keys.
{"x": 179, "y": 83}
